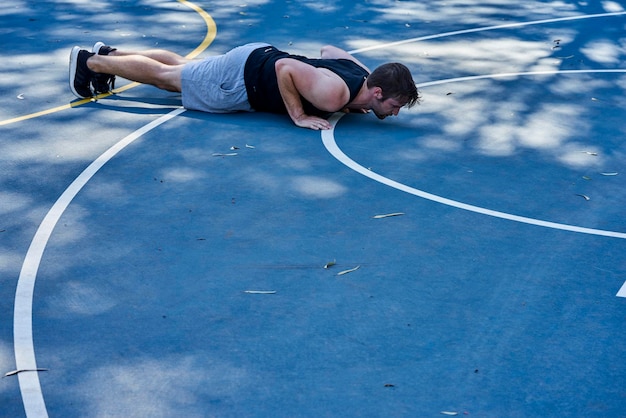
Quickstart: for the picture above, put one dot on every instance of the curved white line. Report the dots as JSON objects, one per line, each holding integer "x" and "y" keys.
{"x": 328, "y": 138}
{"x": 465, "y": 31}
{"x": 30, "y": 387}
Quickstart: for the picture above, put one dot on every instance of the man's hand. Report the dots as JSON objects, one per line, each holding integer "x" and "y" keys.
{"x": 312, "y": 122}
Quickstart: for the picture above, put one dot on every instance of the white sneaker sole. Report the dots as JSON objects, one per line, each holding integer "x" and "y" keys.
{"x": 73, "y": 66}
{"x": 96, "y": 47}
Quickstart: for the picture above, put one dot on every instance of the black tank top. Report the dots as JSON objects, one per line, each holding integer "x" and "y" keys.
{"x": 262, "y": 84}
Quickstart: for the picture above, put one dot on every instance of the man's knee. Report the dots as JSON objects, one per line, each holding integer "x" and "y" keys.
{"x": 170, "y": 79}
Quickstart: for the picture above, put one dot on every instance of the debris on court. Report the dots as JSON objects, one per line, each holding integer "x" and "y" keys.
{"x": 330, "y": 264}
{"x": 594, "y": 154}
{"x": 21, "y": 96}
{"x": 584, "y": 196}
{"x": 609, "y": 174}
{"x": 14, "y": 372}
{"x": 341, "y": 273}
{"x": 260, "y": 292}
{"x": 230, "y": 154}
{"x": 449, "y": 413}
{"x": 250, "y": 146}
{"x": 388, "y": 215}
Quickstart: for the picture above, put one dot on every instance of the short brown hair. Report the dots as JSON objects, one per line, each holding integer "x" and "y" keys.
{"x": 396, "y": 82}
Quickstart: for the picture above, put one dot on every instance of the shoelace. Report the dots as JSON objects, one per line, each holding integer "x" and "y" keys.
{"x": 103, "y": 83}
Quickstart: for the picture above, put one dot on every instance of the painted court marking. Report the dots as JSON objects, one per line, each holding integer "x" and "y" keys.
{"x": 486, "y": 28}
{"x": 328, "y": 138}
{"x": 22, "y": 317}
{"x": 30, "y": 387}
{"x": 329, "y": 142}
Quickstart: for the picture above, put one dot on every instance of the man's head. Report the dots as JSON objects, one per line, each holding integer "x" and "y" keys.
{"x": 394, "y": 87}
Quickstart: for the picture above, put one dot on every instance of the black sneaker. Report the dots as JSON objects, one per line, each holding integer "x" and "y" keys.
{"x": 80, "y": 74}
{"x": 102, "y": 83}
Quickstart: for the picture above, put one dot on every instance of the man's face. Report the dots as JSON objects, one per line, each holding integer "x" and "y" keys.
{"x": 387, "y": 107}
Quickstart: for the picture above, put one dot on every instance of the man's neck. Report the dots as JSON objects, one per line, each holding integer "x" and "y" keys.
{"x": 362, "y": 100}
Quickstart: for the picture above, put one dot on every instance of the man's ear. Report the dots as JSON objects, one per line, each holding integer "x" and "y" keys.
{"x": 378, "y": 93}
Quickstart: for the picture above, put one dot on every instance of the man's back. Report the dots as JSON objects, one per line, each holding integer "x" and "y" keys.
{"x": 262, "y": 83}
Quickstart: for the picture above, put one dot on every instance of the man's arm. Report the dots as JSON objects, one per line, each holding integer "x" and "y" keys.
{"x": 332, "y": 52}
{"x": 322, "y": 88}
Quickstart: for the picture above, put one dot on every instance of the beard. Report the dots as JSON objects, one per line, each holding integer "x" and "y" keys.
{"x": 380, "y": 115}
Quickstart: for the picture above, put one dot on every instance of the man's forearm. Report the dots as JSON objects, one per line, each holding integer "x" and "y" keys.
{"x": 297, "y": 80}
{"x": 289, "y": 93}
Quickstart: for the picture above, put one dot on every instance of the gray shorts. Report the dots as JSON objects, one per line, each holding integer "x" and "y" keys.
{"x": 216, "y": 84}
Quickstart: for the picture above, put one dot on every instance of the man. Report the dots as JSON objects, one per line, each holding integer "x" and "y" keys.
{"x": 253, "y": 77}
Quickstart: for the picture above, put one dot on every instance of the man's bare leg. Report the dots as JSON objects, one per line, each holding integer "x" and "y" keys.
{"x": 161, "y": 55}
{"x": 157, "y": 67}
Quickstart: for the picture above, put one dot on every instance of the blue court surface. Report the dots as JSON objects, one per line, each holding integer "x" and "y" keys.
{"x": 157, "y": 262}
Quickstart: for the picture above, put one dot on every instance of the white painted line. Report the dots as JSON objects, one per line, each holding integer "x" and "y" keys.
{"x": 622, "y": 291}
{"x": 466, "y": 31}
{"x": 328, "y": 138}
{"x": 30, "y": 387}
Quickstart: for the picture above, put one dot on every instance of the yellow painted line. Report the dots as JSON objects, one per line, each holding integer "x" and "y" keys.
{"x": 35, "y": 115}
{"x": 211, "y": 29}
{"x": 67, "y": 106}
{"x": 211, "y": 33}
